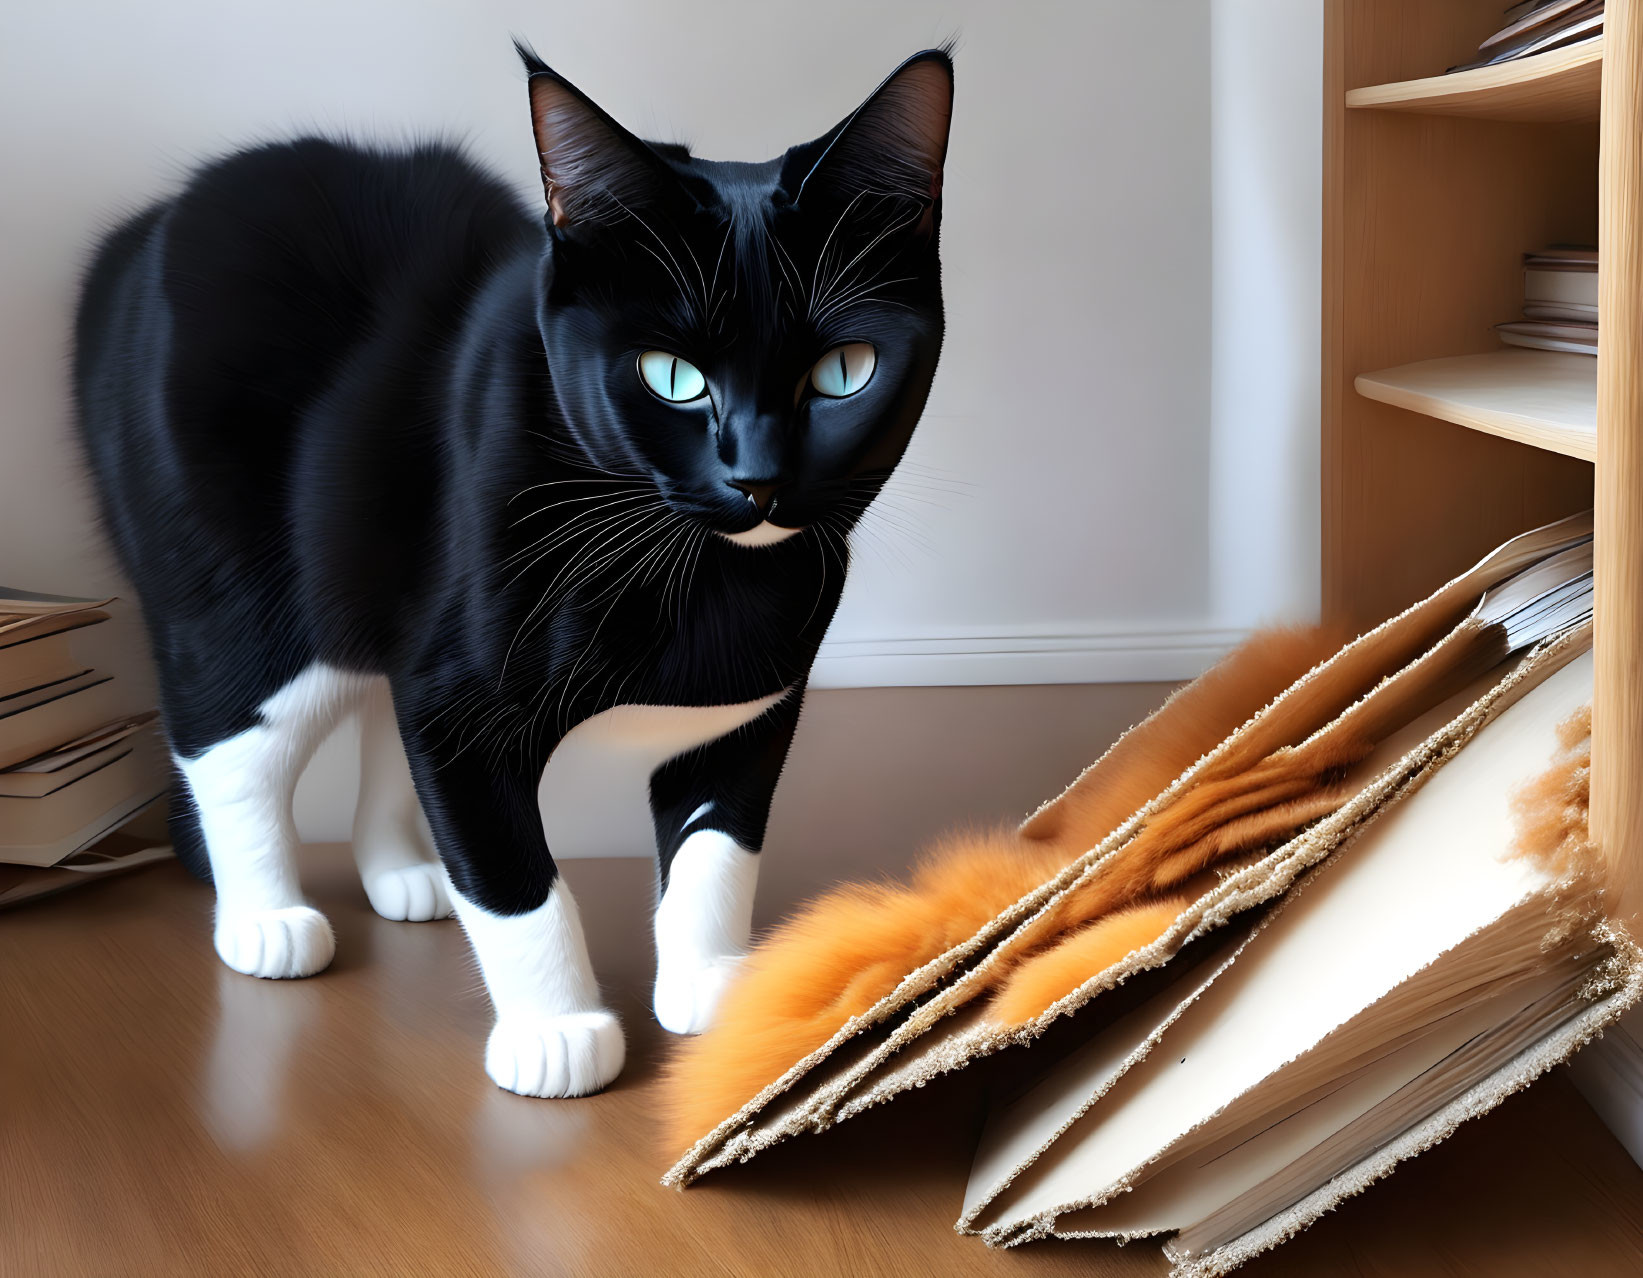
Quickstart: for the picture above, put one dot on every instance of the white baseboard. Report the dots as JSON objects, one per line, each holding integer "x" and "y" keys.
{"x": 1026, "y": 655}
{"x": 1609, "y": 1074}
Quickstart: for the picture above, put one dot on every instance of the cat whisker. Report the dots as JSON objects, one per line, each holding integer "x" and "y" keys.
{"x": 678, "y": 273}
{"x": 821, "y": 258}
{"x": 684, "y": 289}
{"x": 558, "y": 483}
{"x": 667, "y": 555}
{"x": 839, "y": 276}
{"x": 600, "y": 549}
{"x": 541, "y": 614}
{"x": 789, "y": 268}
{"x": 863, "y": 294}
{"x": 928, "y": 471}
{"x": 912, "y": 483}
{"x": 592, "y": 562}
{"x": 559, "y": 505}
{"x": 625, "y": 521}
{"x": 672, "y": 603}
{"x": 579, "y": 518}
{"x": 713, "y": 288}
{"x": 579, "y": 461}
{"x": 821, "y": 586}
{"x": 876, "y": 527}
{"x": 577, "y": 526}
{"x": 625, "y": 581}
{"x": 899, "y": 494}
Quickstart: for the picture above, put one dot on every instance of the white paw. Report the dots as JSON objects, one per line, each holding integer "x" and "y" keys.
{"x": 569, "y": 1055}
{"x": 411, "y": 894}
{"x": 283, "y": 943}
{"x": 687, "y": 996}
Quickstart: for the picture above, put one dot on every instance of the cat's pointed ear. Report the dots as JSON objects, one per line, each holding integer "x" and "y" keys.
{"x": 895, "y": 141}
{"x": 593, "y": 170}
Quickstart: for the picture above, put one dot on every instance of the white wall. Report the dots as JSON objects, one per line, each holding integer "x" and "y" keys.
{"x": 1266, "y": 134}
{"x": 1057, "y": 491}
{"x": 1131, "y": 204}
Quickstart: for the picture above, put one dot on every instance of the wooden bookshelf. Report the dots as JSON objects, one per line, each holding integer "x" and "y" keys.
{"x": 1540, "y": 398}
{"x": 1438, "y": 443}
{"x": 1559, "y": 87}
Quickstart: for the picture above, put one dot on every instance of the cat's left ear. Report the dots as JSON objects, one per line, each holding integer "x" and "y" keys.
{"x": 594, "y": 171}
{"x": 894, "y": 142}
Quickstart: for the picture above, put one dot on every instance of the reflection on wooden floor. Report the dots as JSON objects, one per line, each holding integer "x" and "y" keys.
{"x": 161, "y": 1114}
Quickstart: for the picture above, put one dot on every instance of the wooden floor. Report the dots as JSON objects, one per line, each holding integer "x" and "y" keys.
{"x": 162, "y": 1115}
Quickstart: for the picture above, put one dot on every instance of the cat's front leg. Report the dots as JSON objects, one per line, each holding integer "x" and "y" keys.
{"x": 710, "y": 807}
{"x": 553, "y": 1036}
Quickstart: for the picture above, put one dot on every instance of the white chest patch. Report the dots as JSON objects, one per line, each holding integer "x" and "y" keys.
{"x": 673, "y": 729}
{"x": 595, "y": 791}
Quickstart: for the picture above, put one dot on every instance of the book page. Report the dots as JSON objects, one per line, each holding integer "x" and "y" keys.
{"x": 1423, "y": 878}
{"x": 1197, "y": 1187}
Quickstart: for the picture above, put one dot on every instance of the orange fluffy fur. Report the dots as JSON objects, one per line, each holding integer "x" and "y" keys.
{"x": 1553, "y": 811}
{"x": 1057, "y": 972}
{"x": 842, "y": 953}
{"x": 1210, "y": 820}
{"x": 1189, "y": 726}
{"x": 833, "y": 960}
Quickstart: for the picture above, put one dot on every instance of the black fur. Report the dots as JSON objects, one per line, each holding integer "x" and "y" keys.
{"x": 358, "y": 407}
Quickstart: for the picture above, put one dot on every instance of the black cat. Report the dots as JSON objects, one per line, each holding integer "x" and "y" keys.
{"x": 366, "y": 434}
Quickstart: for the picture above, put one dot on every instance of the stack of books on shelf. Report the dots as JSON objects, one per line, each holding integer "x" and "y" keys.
{"x": 1538, "y": 26}
{"x": 77, "y": 777}
{"x": 1559, "y": 301}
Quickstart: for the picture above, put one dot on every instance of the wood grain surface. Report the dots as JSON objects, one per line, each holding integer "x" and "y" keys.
{"x": 1426, "y": 218}
{"x": 1617, "y": 714}
{"x": 1546, "y": 399}
{"x": 1558, "y": 87}
{"x": 160, "y": 1114}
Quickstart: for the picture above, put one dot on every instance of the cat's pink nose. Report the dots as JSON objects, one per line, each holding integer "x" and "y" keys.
{"x": 761, "y": 495}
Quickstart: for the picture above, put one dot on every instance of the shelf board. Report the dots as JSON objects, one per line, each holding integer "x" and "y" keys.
{"x": 1558, "y": 87}
{"x": 1542, "y": 398}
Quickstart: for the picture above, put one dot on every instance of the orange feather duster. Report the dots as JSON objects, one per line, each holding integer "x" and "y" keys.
{"x": 842, "y": 953}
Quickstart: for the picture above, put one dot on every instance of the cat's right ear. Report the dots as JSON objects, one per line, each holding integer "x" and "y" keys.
{"x": 594, "y": 172}
{"x": 895, "y": 142}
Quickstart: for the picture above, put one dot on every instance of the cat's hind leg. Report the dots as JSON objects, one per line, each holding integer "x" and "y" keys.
{"x": 393, "y": 846}
{"x": 241, "y": 786}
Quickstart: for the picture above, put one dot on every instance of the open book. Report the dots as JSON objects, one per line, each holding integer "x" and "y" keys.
{"x": 1422, "y": 974}
{"x": 1184, "y": 836}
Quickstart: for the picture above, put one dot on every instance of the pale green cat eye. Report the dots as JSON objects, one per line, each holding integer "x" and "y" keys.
{"x": 844, "y": 370}
{"x": 676, "y": 380}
